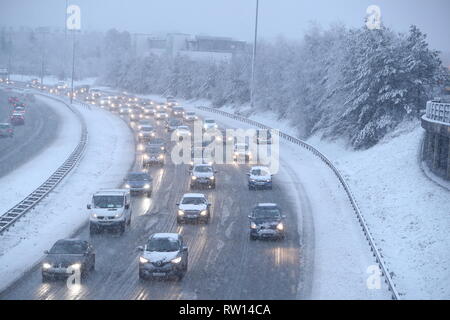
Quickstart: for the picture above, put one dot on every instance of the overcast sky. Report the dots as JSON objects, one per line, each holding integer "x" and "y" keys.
{"x": 233, "y": 18}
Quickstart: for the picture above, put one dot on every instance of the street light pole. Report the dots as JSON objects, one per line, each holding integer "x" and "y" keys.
{"x": 73, "y": 65}
{"x": 252, "y": 84}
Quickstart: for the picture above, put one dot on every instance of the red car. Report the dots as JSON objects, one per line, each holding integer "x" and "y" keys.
{"x": 17, "y": 119}
{"x": 6, "y": 130}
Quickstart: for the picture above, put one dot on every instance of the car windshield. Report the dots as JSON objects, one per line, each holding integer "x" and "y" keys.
{"x": 154, "y": 150}
{"x": 260, "y": 172}
{"x": 210, "y": 121}
{"x": 138, "y": 177}
{"x": 203, "y": 169}
{"x": 69, "y": 247}
{"x": 193, "y": 200}
{"x": 264, "y": 134}
{"x": 4, "y": 126}
{"x": 183, "y": 128}
{"x": 157, "y": 142}
{"x": 163, "y": 245}
{"x": 190, "y": 113}
{"x": 147, "y": 129}
{"x": 104, "y": 202}
{"x": 266, "y": 213}
{"x": 241, "y": 147}
{"x": 174, "y": 122}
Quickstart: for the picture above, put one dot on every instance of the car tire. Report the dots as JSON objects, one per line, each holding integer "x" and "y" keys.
{"x": 250, "y": 188}
{"x": 180, "y": 276}
{"x": 122, "y": 229}
{"x": 93, "y": 264}
{"x": 45, "y": 279}
{"x": 142, "y": 276}
{"x": 149, "y": 194}
{"x": 180, "y": 221}
{"x": 93, "y": 230}
{"x": 252, "y": 237}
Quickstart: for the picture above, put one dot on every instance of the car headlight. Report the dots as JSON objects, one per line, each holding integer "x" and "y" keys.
{"x": 140, "y": 134}
{"x": 76, "y": 266}
{"x": 146, "y": 156}
{"x": 46, "y": 265}
{"x": 280, "y": 226}
{"x": 94, "y": 215}
{"x": 146, "y": 186}
{"x": 212, "y": 177}
{"x": 176, "y": 260}
{"x": 203, "y": 213}
{"x": 127, "y": 186}
{"x": 180, "y": 212}
{"x": 162, "y": 148}
{"x": 118, "y": 215}
{"x": 153, "y": 134}
{"x": 194, "y": 178}
{"x": 253, "y": 225}
{"x": 161, "y": 157}
{"x": 143, "y": 260}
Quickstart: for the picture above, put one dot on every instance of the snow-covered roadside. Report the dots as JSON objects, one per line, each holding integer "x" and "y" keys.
{"x": 19, "y": 183}
{"x": 51, "y": 80}
{"x": 408, "y": 214}
{"x": 108, "y": 157}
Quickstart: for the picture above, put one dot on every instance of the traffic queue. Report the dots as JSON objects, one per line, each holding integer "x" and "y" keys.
{"x": 165, "y": 254}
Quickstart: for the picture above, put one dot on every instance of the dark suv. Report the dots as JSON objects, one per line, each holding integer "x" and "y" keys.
{"x": 66, "y": 257}
{"x": 163, "y": 256}
{"x": 139, "y": 182}
{"x": 266, "y": 221}
{"x": 6, "y": 130}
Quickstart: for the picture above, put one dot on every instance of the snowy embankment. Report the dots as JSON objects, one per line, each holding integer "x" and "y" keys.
{"x": 50, "y": 80}
{"x": 407, "y": 214}
{"x": 109, "y": 155}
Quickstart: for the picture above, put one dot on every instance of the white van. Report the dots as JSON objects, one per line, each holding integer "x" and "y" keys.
{"x": 110, "y": 209}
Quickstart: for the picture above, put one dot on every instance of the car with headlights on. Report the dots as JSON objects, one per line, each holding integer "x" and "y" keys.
{"x": 178, "y": 111}
{"x": 173, "y": 124}
{"x": 210, "y": 124}
{"x": 153, "y": 155}
{"x": 146, "y": 133}
{"x": 193, "y": 207}
{"x": 203, "y": 175}
{"x": 158, "y": 142}
{"x": 266, "y": 221}
{"x": 242, "y": 151}
{"x": 183, "y": 132}
{"x": 110, "y": 209}
{"x": 259, "y": 177}
{"x": 6, "y": 130}
{"x": 66, "y": 257}
{"x": 149, "y": 110}
{"x": 190, "y": 116}
{"x": 161, "y": 114}
{"x": 139, "y": 183}
{"x": 163, "y": 256}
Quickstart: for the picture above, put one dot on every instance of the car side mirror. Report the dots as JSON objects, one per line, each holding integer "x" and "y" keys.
{"x": 127, "y": 206}
{"x": 177, "y": 203}
{"x": 249, "y": 216}
{"x": 140, "y": 248}
{"x": 46, "y": 251}
{"x": 248, "y": 174}
{"x": 209, "y": 204}
{"x": 215, "y": 171}
{"x": 283, "y": 216}
{"x": 89, "y": 206}
{"x": 184, "y": 249}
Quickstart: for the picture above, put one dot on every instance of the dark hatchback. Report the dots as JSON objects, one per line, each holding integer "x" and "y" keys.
{"x": 66, "y": 257}
{"x": 139, "y": 182}
{"x": 266, "y": 221}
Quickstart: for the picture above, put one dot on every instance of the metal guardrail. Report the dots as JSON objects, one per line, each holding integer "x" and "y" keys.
{"x": 11, "y": 216}
{"x": 376, "y": 253}
{"x": 438, "y": 111}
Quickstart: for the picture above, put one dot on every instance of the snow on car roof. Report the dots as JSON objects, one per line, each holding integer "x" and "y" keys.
{"x": 174, "y": 236}
{"x": 266, "y": 205}
{"x": 260, "y": 168}
{"x": 194, "y": 195}
{"x": 112, "y": 192}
